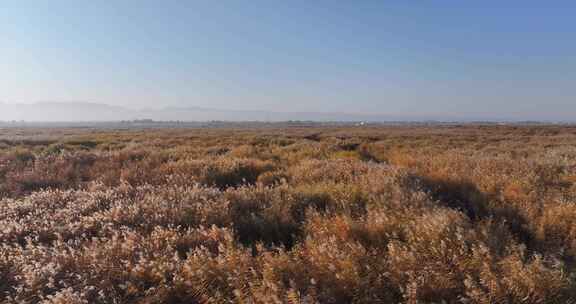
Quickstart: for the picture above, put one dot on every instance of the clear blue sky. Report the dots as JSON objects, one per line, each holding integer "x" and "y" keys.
{"x": 501, "y": 58}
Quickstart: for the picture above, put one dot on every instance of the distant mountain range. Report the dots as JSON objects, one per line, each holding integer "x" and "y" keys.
{"x": 96, "y": 112}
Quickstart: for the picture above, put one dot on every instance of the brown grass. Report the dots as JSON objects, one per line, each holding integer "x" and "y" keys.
{"x": 447, "y": 214}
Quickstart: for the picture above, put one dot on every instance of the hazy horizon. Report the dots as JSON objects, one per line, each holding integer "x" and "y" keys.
{"x": 63, "y": 112}
{"x": 492, "y": 60}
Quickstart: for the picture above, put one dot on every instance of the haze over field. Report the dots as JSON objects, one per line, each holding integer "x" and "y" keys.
{"x": 75, "y": 112}
{"x": 294, "y": 60}
{"x": 94, "y": 112}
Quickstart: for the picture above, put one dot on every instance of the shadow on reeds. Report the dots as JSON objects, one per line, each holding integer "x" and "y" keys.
{"x": 465, "y": 197}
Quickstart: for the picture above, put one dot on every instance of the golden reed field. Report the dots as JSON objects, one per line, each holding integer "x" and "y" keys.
{"x": 397, "y": 214}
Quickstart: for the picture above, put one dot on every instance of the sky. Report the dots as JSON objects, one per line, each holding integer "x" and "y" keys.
{"x": 485, "y": 58}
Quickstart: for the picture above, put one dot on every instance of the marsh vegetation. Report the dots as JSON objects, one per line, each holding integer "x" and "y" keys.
{"x": 453, "y": 214}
